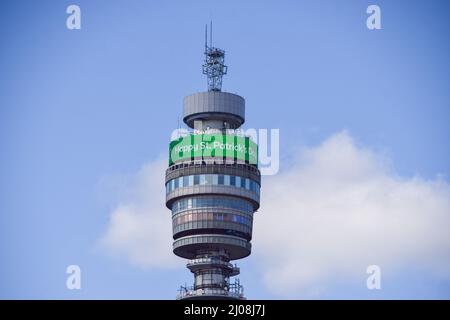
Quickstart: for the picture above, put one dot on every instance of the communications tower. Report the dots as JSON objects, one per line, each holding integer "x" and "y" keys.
{"x": 213, "y": 186}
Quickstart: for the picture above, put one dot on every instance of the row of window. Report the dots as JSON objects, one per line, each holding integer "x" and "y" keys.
{"x": 203, "y": 224}
{"x": 211, "y": 201}
{"x": 225, "y": 217}
{"x": 212, "y": 179}
{"x": 210, "y": 239}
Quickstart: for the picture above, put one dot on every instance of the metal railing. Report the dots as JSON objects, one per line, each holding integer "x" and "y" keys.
{"x": 216, "y": 261}
{"x": 231, "y": 132}
{"x": 235, "y": 290}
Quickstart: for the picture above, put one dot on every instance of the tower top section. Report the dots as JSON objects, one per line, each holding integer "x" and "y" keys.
{"x": 214, "y": 67}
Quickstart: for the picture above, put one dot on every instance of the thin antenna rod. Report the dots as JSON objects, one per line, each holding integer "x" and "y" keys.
{"x": 206, "y": 37}
{"x": 210, "y": 35}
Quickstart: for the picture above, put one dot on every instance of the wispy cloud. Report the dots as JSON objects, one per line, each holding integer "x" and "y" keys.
{"x": 140, "y": 227}
{"x": 339, "y": 208}
{"x": 335, "y": 210}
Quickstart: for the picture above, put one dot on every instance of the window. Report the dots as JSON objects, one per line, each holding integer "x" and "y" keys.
{"x": 211, "y": 179}
{"x": 211, "y": 201}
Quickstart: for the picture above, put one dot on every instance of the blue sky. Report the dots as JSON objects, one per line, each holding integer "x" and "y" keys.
{"x": 78, "y": 107}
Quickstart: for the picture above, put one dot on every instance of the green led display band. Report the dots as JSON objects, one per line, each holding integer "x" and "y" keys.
{"x": 200, "y": 146}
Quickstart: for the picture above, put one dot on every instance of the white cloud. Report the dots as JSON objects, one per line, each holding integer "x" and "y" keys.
{"x": 340, "y": 208}
{"x": 336, "y": 210}
{"x": 140, "y": 227}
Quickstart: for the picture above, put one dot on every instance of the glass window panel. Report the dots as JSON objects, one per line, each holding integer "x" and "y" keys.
{"x": 191, "y": 181}
{"x": 242, "y": 182}
{"x": 232, "y": 180}
{"x": 185, "y": 181}
{"x": 196, "y": 179}
{"x": 220, "y": 179}
{"x": 211, "y": 201}
{"x": 215, "y": 179}
{"x": 209, "y": 179}
{"x": 238, "y": 181}
{"x": 202, "y": 179}
{"x": 176, "y": 184}
{"x": 226, "y": 180}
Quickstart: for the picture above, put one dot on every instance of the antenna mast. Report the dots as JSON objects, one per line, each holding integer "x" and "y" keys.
{"x": 214, "y": 67}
